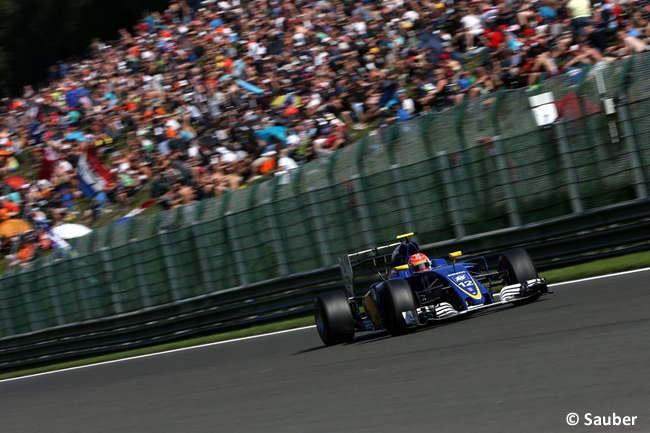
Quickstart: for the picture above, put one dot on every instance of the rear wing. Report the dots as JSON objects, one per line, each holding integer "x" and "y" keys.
{"x": 377, "y": 256}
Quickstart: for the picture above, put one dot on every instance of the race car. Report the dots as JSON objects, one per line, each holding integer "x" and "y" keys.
{"x": 413, "y": 290}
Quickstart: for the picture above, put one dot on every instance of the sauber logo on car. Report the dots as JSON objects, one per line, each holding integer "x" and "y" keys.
{"x": 465, "y": 283}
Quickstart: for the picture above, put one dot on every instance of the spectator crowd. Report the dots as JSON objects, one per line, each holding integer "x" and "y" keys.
{"x": 207, "y": 97}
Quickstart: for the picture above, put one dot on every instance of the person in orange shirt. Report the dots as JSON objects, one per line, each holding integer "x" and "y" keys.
{"x": 171, "y": 132}
{"x": 26, "y": 253}
{"x": 11, "y": 207}
{"x": 44, "y": 241}
{"x": 228, "y": 65}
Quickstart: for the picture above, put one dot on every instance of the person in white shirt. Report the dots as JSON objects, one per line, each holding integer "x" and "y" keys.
{"x": 472, "y": 27}
{"x": 63, "y": 165}
{"x": 299, "y": 38}
{"x": 285, "y": 162}
{"x": 293, "y": 140}
{"x": 359, "y": 25}
{"x": 407, "y": 103}
{"x": 411, "y": 16}
{"x": 319, "y": 56}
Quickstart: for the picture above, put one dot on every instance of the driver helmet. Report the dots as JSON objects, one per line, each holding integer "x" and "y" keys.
{"x": 419, "y": 262}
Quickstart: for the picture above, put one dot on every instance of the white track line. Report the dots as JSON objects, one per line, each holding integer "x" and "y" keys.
{"x": 157, "y": 353}
{"x": 599, "y": 277}
{"x": 261, "y": 335}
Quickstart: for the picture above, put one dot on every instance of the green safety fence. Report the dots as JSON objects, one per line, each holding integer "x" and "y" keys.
{"x": 480, "y": 167}
{"x": 613, "y": 230}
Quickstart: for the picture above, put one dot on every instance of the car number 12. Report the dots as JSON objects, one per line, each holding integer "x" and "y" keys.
{"x": 462, "y": 280}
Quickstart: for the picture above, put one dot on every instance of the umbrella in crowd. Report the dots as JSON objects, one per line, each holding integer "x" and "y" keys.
{"x": 14, "y": 227}
{"x": 71, "y": 231}
{"x": 277, "y": 132}
{"x": 16, "y": 182}
{"x": 77, "y": 135}
{"x": 250, "y": 87}
{"x": 288, "y": 99}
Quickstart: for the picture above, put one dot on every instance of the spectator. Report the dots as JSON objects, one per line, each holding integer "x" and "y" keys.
{"x": 472, "y": 27}
{"x": 629, "y": 44}
{"x": 580, "y": 11}
{"x": 407, "y": 104}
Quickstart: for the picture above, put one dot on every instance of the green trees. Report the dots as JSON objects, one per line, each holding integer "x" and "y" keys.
{"x": 35, "y": 34}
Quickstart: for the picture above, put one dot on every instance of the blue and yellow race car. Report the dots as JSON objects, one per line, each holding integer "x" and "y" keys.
{"x": 413, "y": 290}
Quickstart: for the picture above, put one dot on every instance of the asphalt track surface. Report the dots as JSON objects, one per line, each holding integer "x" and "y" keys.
{"x": 584, "y": 349}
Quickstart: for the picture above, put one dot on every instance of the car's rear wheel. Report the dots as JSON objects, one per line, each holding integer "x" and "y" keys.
{"x": 334, "y": 318}
{"x": 396, "y": 296}
{"x": 517, "y": 267}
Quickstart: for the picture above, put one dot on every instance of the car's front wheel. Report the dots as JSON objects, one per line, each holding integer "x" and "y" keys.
{"x": 516, "y": 266}
{"x": 334, "y": 318}
{"x": 396, "y": 296}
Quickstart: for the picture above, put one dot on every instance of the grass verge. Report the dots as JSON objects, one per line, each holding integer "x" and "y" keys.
{"x": 612, "y": 265}
{"x": 591, "y": 269}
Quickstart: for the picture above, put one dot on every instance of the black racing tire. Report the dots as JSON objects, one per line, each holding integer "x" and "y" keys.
{"x": 396, "y": 296}
{"x": 334, "y": 317}
{"x": 517, "y": 267}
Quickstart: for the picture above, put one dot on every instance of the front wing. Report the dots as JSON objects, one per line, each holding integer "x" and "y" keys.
{"x": 508, "y": 294}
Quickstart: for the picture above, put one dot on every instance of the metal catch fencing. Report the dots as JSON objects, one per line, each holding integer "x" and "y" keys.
{"x": 552, "y": 243}
{"x": 483, "y": 166}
